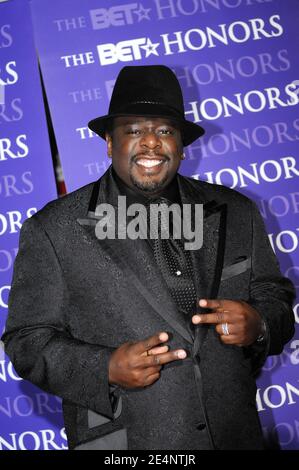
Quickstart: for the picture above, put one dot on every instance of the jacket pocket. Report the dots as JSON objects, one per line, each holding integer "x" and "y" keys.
{"x": 235, "y": 269}
{"x": 116, "y": 440}
{"x": 96, "y": 419}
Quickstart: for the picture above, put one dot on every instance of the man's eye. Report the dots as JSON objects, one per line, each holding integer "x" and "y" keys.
{"x": 165, "y": 131}
{"x": 134, "y": 131}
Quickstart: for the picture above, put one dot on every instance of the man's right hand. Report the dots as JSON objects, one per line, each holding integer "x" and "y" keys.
{"x": 138, "y": 364}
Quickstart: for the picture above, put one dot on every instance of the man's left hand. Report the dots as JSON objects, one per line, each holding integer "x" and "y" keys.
{"x": 236, "y": 321}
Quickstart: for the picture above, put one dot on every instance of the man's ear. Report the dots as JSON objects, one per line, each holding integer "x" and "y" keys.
{"x": 109, "y": 144}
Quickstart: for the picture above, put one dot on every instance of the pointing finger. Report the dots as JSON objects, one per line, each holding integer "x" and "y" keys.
{"x": 160, "y": 359}
{"x": 219, "y": 304}
{"x": 210, "y": 318}
{"x": 211, "y": 303}
{"x": 151, "y": 342}
{"x": 157, "y": 350}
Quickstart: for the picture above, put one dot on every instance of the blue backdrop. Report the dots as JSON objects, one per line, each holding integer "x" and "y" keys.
{"x": 26, "y": 183}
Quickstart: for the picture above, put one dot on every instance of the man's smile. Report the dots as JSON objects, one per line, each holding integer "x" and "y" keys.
{"x": 150, "y": 165}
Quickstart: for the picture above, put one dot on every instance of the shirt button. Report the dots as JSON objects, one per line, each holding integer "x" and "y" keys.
{"x": 201, "y": 426}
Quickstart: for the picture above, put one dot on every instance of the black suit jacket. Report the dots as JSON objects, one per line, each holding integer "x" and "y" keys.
{"x": 74, "y": 299}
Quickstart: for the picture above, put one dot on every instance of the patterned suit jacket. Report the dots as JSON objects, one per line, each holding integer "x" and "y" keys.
{"x": 74, "y": 299}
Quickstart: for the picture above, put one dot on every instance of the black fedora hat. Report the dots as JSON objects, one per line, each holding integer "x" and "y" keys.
{"x": 148, "y": 90}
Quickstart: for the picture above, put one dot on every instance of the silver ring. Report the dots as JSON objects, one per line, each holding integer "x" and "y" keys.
{"x": 224, "y": 327}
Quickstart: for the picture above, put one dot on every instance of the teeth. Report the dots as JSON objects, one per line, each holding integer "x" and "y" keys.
{"x": 148, "y": 163}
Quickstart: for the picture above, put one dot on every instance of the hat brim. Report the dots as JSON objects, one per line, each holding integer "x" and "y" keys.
{"x": 189, "y": 130}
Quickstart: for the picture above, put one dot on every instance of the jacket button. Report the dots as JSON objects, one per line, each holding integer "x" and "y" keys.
{"x": 201, "y": 426}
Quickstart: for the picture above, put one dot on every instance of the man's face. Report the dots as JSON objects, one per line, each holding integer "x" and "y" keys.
{"x": 146, "y": 152}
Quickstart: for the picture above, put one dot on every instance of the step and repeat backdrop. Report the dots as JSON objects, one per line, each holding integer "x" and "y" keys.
{"x": 27, "y": 183}
{"x": 237, "y": 62}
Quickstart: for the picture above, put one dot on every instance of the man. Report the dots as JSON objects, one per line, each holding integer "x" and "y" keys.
{"x": 89, "y": 318}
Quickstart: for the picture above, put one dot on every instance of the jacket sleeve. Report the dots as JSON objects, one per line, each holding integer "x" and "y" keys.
{"x": 37, "y": 339}
{"x": 271, "y": 294}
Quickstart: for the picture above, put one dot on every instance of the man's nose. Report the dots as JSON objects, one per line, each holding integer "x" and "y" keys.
{"x": 150, "y": 140}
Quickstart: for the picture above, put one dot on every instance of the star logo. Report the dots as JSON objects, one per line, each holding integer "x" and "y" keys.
{"x": 142, "y": 13}
{"x": 150, "y": 48}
